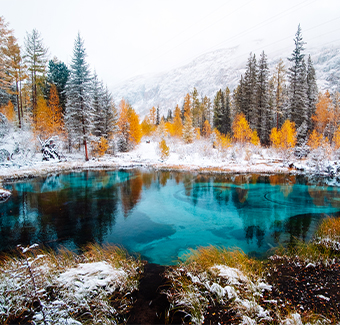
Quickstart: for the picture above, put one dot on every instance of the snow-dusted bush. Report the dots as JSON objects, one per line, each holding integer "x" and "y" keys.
{"x": 47, "y": 288}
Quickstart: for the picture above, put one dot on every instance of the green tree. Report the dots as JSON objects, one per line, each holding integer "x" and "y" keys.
{"x": 297, "y": 108}
{"x": 79, "y": 109}
{"x": 58, "y": 74}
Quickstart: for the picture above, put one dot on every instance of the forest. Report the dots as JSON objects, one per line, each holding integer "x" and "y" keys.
{"x": 282, "y": 109}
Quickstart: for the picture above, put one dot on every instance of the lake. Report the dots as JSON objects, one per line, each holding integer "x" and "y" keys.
{"x": 161, "y": 214}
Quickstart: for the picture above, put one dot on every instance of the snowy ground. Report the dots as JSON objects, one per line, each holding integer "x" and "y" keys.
{"x": 198, "y": 156}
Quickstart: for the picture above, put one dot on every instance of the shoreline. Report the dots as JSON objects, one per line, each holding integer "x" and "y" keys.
{"x": 46, "y": 168}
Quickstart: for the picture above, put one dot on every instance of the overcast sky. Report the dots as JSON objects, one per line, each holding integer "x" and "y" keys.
{"x": 125, "y": 38}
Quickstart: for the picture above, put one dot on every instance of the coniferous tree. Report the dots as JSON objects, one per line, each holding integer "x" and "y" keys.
{"x": 177, "y": 124}
{"x": 262, "y": 93}
{"x": 79, "y": 110}
{"x": 15, "y": 72}
{"x": 279, "y": 94}
{"x": 312, "y": 93}
{"x": 218, "y": 109}
{"x": 226, "y": 116}
{"x": 297, "y": 74}
{"x": 157, "y": 116}
{"x": 196, "y": 113}
{"x": 35, "y": 58}
{"x": 58, "y": 74}
{"x": 249, "y": 106}
{"x": 110, "y": 115}
{"x": 238, "y": 98}
{"x": 97, "y": 104}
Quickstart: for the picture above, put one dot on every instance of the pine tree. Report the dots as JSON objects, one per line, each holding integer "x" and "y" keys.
{"x": 312, "y": 93}
{"x": 35, "y": 58}
{"x": 297, "y": 109}
{"x": 262, "y": 93}
{"x": 79, "y": 110}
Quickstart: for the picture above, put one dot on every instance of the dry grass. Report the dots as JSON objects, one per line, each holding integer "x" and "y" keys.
{"x": 32, "y": 286}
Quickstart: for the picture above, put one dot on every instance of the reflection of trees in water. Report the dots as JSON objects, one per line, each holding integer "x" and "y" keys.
{"x": 255, "y": 232}
{"x": 81, "y": 215}
{"x": 325, "y": 196}
{"x": 130, "y": 192}
{"x": 297, "y": 227}
{"x": 286, "y": 183}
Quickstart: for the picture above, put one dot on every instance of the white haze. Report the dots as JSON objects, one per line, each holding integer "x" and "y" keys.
{"x": 127, "y": 38}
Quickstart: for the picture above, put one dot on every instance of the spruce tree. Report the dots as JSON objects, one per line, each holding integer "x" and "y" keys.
{"x": 58, "y": 74}
{"x": 312, "y": 93}
{"x": 249, "y": 106}
{"x": 262, "y": 93}
{"x": 297, "y": 74}
{"x": 79, "y": 110}
{"x": 110, "y": 115}
{"x": 97, "y": 104}
{"x": 225, "y": 116}
{"x": 217, "y": 108}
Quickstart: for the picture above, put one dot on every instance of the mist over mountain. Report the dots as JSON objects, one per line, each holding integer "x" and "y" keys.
{"x": 213, "y": 71}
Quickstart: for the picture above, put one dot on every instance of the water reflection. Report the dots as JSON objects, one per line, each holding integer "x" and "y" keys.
{"x": 162, "y": 214}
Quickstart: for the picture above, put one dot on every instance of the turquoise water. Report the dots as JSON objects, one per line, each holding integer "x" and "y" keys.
{"x": 161, "y": 215}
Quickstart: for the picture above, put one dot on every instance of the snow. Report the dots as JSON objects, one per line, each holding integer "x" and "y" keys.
{"x": 213, "y": 71}
{"x": 86, "y": 278}
{"x": 232, "y": 274}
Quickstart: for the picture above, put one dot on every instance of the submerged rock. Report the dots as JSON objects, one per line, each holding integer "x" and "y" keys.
{"x": 4, "y": 195}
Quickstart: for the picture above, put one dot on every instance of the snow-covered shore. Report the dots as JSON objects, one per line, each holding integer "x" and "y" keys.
{"x": 198, "y": 156}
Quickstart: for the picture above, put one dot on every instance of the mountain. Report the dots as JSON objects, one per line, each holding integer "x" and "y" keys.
{"x": 211, "y": 72}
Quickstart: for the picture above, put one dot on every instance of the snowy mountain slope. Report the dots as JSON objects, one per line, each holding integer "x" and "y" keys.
{"x": 211, "y": 72}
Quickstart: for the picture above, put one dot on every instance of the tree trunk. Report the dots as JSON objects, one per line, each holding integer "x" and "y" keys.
{"x": 18, "y": 104}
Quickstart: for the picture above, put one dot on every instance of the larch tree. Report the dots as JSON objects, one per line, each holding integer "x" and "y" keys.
{"x": 279, "y": 89}
{"x": 241, "y": 129}
{"x": 79, "y": 110}
{"x": 16, "y": 72}
{"x": 135, "y": 131}
{"x": 35, "y": 57}
{"x": 196, "y": 109}
{"x": 5, "y": 82}
{"x": 297, "y": 109}
{"x": 322, "y": 117}
{"x": 177, "y": 123}
{"x": 188, "y": 130}
{"x": 56, "y": 111}
{"x": 123, "y": 126}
